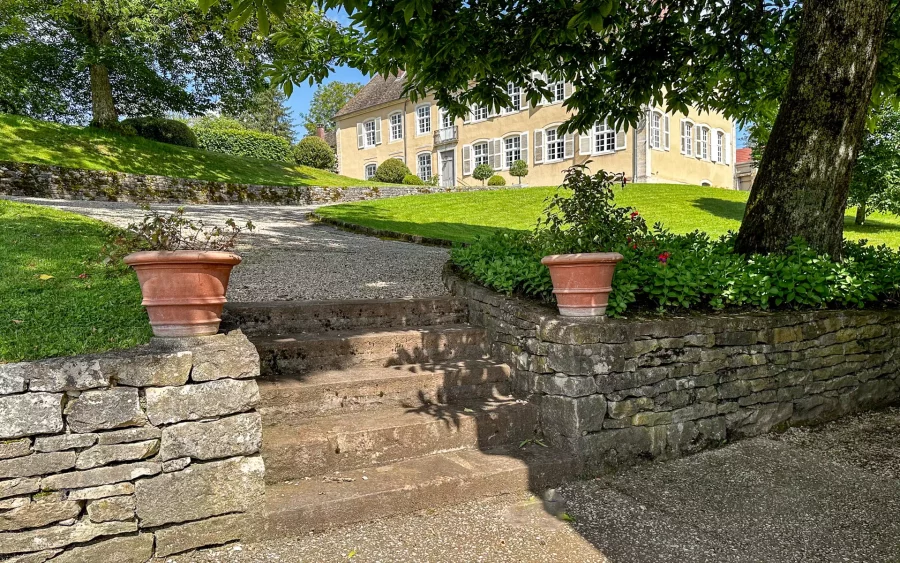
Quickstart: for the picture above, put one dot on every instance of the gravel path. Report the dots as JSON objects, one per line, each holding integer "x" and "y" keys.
{"x": 810, "y": 495}
{"x": 289, "y": 257}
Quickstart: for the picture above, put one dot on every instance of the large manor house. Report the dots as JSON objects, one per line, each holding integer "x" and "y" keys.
{"x": 381, "y": 123}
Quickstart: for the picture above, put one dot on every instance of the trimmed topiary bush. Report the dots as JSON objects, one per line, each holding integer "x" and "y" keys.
{"x": 496, "y": 181}
{"x": 313, "y": 151}
{"x": 519, "y": 169}
{"x": 392, "y": 171}
{"x": 412, "y": 180}
{"x": 242, "y": 142}
{"x": 163, "y": 130}
{"x": 482, "y": 172}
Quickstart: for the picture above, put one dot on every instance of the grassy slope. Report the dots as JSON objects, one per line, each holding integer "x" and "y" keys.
{"x": 40, "y": 142}
{"x": 65, "y": 314}
{"x": 462, "y": 216}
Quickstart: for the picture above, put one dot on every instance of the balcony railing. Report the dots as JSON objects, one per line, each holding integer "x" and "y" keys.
{"x": 446, "y": 135}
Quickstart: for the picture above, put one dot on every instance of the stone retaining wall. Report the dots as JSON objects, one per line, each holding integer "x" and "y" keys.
{"x": 131, "y": 454}
{"x": 55, "y": 182}
{"x": 614, "y": 391}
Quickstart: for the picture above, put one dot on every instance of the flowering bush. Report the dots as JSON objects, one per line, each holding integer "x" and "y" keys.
{"x": 664, "y": 271}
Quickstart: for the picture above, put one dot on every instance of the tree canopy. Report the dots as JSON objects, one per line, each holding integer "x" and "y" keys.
{"x": 267, "y": 112}
{"x": 875, "y": 185}
{"x": 326, "y": 102}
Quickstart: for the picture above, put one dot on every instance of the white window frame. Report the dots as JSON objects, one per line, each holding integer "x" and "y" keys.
{"x": 702, "y": 142}
{"x": 476, "y": 110}
{"x": 555, "y": 145}
{"x": 423, "y": 120}
{"x": 366, "y": 168}
{"x": 507, "y": 151}
{"x": 424, "y": 174}
{"x": 370, "y": 135}
{"x": 659, "y": 131}
{"x": 444, "y": 117}
{"x": 484, "y": 158}
{"x": 396, "y": 128}
{"x": 515, "y": 93}
{"x": 720, "y": 141}
{"x": 687, "y": 137}
{"x": 557, "y": 91}
{"x": 603, "y": 138}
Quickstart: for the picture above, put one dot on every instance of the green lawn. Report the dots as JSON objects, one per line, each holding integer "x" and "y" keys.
{"x": 84, "y": 307}
{"x": 462, "y": 216}
{"x": 41, "y": 142}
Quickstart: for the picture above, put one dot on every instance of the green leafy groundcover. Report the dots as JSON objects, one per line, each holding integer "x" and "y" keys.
{"x": 662, "y": 271}
{"x": 57, "y": 296}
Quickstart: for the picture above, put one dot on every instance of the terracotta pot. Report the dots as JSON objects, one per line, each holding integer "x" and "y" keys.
{"x": 582, "y": 282}
{"x": 184, "y": 290}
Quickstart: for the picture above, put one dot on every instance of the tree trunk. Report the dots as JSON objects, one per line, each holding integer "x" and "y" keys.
{"x": 804, "y": 177}
{"x": 861, "y": 214}
{"x": 103, "y": 107}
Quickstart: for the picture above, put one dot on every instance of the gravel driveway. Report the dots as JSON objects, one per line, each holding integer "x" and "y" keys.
{"x": 289, "y": 257}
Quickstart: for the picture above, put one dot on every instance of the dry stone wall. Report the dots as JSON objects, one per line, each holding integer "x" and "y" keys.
{"x": 55, "y": 182}
{"x": 614, "y": 391}
{"x": 132, "y": 454}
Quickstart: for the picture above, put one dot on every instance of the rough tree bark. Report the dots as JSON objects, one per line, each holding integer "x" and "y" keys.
{"x": 804, "y": 177}
{"x": 103, "y": 107}
{"x": 861, "y": 213}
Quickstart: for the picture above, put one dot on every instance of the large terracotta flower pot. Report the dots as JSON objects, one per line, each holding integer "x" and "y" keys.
{"x": 184, "y": 290}
{"x": 582, "y": 282}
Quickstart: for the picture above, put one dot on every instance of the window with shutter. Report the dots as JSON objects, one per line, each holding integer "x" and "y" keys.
{"x": 467, "y": 160}
{"x": 603, "y": 138}
{"x": 424, "y": 166}
{"x": 727, "y": 148}
{"x": 396, "y": 126}
{"x": 497, "y": 154}
{"x": 360, "y": 136}
{"x": 656, "y": 134}
{"x": 370, "y": 171}
{"x": 369, "y": 133}
{"x": 423, "y": 120}
{"x": 567, "y": 90}
{"x": 377, "y": 130}
{"x": 666, "y": 132}
{"x": 481, "y": 154}
{"x": 687, "y": 137}
{"x": 523, "y": 145}
{"x": 584, "y": 144}
{"x": 512, "y": 150}
{"x": 621, "y": 137}
{"x": 570, "y": 146}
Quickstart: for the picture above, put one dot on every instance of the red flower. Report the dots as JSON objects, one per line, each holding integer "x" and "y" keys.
{"x": 634, "y": 214}
{"x": 664, "y": 257}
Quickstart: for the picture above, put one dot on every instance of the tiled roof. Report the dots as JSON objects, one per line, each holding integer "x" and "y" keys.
{"x": 378, "y": 91}
{"x": 743, "y": 155}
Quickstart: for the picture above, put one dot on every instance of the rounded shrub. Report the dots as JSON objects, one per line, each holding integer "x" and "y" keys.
{"x": 120, "y": 128}
{"x": 242, "y": 142}
{"x": 496, "y": 180}
{"x": 313, "y": 151}
{"x": 163, "y": 130}
{"x": 392, "y": 171}
{"x": 482, "y": 172}
{"x": 412, "y": 180}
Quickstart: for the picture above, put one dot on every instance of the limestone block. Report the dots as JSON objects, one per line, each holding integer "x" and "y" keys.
{"x": 100, "y": 476}
{"x": 63, "y": 442}
{"x": 149, "y": 370}
{"x": 36, "y": 464}
{"x": 105, "y": 409}
{"x": 103, "y": 491}
{"x": 104, "y": 455}
{"x": 227, "y": 437}
{"x": 629, "y": 407}
{"x": 66, "y": 374}
{"x": 685, "y": 438}
{"x": 21, "y": 486}
{"x": 12, "y": 378}
{"x": 29, "y": 414}
{"x": 759, "y": 419}
{"x": 15, "y": 502}
{"x": 60, "y": 536}
{"x": 15, "y": 448}
{"x": 226, "y": 356}
{"x": 565, "y": 419}
{"x": 615, "y": 448}
{"x": 204, "y": 533}
{"x": 200, "y": 491}
{"x": 175, "y": 464}
{"x": 37, "y": 514}
{"x": 166, "y": 405}
{"x": 124, "y": 549}
{"x": 138, "y": 434}
{"x": 39, "y": 557}
{"x": 111, "y": 509}
{"x": 567, "y": 385}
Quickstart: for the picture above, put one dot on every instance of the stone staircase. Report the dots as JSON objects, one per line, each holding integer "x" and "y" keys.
{"x": 381, "y": 407}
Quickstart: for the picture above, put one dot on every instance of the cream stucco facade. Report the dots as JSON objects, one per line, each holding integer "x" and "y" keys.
{"x": 431, "y": 144}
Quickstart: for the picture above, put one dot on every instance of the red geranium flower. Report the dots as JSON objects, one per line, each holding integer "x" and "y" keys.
{"x": 634, "y": 214}
{"x": 664, "y": 257}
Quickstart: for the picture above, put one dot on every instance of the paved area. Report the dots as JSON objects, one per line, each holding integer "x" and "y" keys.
{"x": 289, "y": 257}
{"x": 830, "y": 494}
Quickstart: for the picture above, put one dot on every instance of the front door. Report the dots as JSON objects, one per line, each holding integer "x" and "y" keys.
{"x": 448, "y": 170}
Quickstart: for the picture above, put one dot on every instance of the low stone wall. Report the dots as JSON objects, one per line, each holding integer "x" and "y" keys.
{"x": 55, "y": 182}
{"x": 133, "y": 454}
{"x": 614, "y": 391}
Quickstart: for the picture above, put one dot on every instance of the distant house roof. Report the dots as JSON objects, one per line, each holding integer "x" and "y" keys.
{"x": 378, "y": 91}
{"x": 331, "y": 138}
{"x": 743, "y": 155}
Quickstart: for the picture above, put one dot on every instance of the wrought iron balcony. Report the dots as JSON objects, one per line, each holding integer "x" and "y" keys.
{"x": 446, "y": 135}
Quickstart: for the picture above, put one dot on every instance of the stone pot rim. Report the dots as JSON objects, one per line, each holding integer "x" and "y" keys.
{"x": 182, "y": 256}
{"x": 582, "y": 258}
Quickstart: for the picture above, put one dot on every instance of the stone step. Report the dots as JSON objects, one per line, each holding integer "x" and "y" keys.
{"x": 285, "y": 317}
{"x": 367, "y": 388}
{"x": 344, "y": 442}
{"x": 300, "y": 353}
{"x": 299, "y": 507}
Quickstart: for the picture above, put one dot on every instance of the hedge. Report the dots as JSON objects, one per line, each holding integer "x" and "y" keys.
{"x": 163, "y": 130}
{"x": 252, "y": 144}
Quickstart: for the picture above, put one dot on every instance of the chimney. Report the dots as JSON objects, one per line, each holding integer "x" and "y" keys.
{"x": 320, "y": 132}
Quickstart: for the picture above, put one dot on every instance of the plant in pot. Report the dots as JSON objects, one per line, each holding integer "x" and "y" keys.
{"x": 581, "y": 230}
{"x": 183, "y": 267}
